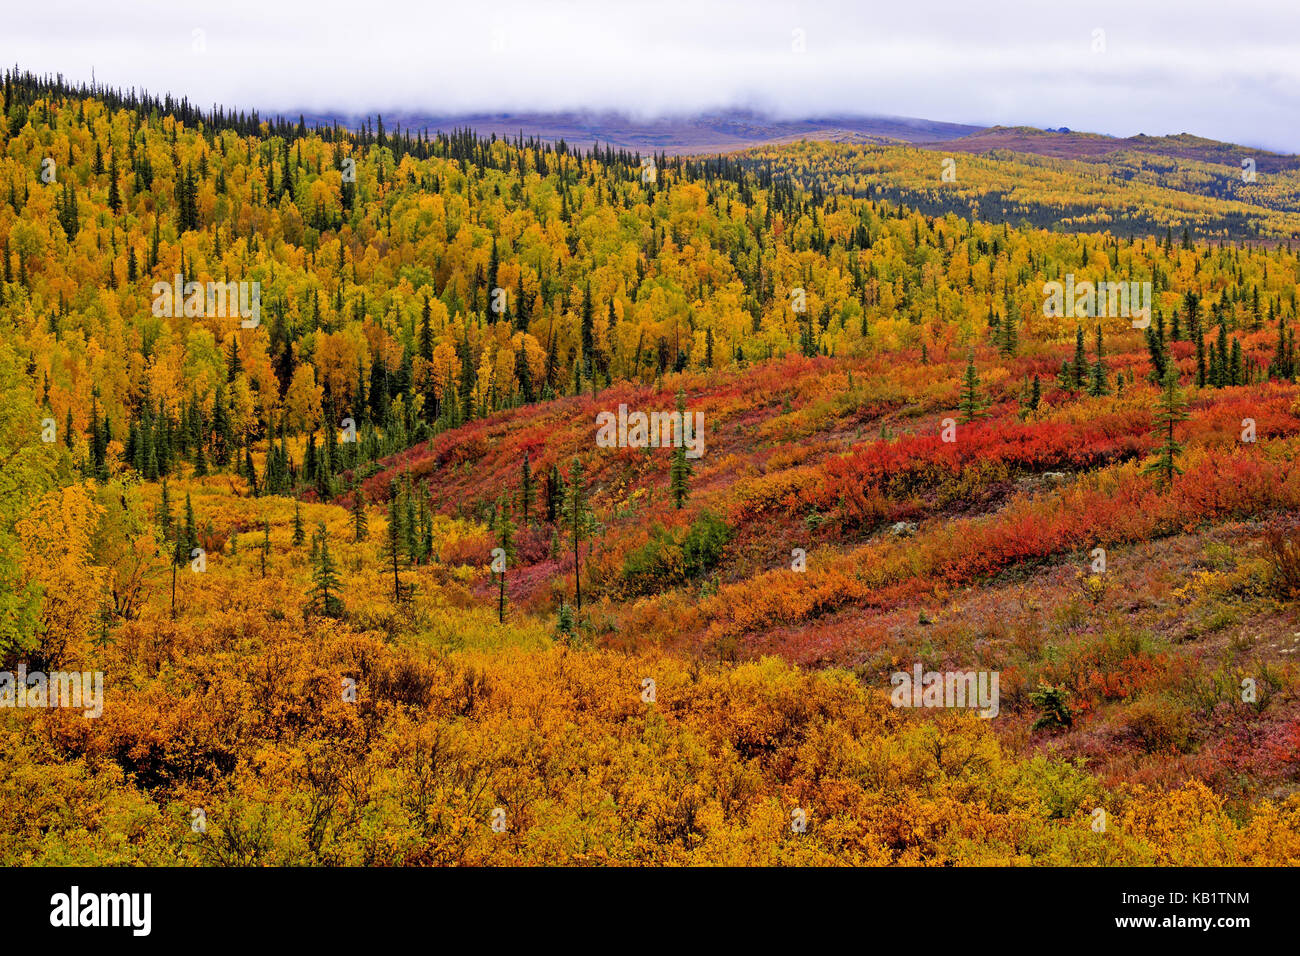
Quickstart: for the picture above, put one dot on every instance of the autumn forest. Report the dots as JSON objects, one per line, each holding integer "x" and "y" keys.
{"x": 299, "y": 451}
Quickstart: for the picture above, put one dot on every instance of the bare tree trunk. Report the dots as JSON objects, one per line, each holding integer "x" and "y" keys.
{"x": 577, "y": 568}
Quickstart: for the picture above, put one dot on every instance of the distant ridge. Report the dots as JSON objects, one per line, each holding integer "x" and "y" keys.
{"x": 1072, "y": 144}
{"x": 733, "y": 130}
{"x": 686, "y": 135}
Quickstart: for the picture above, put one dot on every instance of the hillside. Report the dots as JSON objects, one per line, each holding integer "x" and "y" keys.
{"x": 1125, "y": 197}
{"x": 921, "y": 550}
{"x": 274, "y": 534}
{"x": 1072, "y": 144}
{"x": 1183, "y": 163}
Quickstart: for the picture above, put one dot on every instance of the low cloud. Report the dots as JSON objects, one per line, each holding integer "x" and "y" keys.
{"x": 1227, "y": 73}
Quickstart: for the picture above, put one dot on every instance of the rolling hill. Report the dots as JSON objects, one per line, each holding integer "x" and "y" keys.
{"x": 367, "y": 587}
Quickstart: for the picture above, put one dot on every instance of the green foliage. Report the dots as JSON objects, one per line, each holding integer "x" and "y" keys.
{"x": 526, "y": 489}
{"x": 1053, "y": 704}
{"x": 564, "y": 620}
{"x": 579, "y": 523}
{"x": 1063, "y": 789}
{"x": 325, "y": 579}
{"x": 972, "y": 402}
{"x": 679, "y": 472}
{"x": 1171, "y": 411}
{"x": 669, "y": 560}
{"x": 393, "y": 542}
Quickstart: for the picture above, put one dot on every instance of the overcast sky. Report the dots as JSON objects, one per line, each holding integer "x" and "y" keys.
{"x": 1227, "y": 69}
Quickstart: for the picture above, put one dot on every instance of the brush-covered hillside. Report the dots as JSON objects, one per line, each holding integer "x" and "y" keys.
{"x": 365, "y": 587}
{"x": 1171, "y": 187}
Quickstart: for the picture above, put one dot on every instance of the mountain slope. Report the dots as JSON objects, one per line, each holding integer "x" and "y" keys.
{"x": 719, "y": 132}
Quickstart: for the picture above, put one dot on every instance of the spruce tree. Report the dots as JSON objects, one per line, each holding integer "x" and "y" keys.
{"x": 526, "y": 489}
{"x": 67, "y": 211}
{"x": 426, "y": 333}
{"x": 266, "y": 545}
{"x": 1192, "y": 305}
{"x": 1080, "y": 364}
{"x": 1030, "y": 396}
{"x": 1159, "y": 355}
{"x": 325, "y": 579}
{"x": 1097, "y": 384}
{"x": 393, "y": 539}
{"x": 588, "y": 329}
{"x": 972, "y": 404}
{"x": 250, "y": 472}
{"x": 524, "y": 376}
{"x": 1218, "y": 367}
{"x": 680, "y": 471}
{"x": 180, "y": 554}
{"x": 554, "y": 494}
{"x": 1009, "y": 338}
{"x": 564, "y": 620}
{"x": 309, "y": 463}
{"x": 578, "y": 524}
{"x": 1202, "y": 372}
{"x": 165, "y": 512}
{"x": 426, "y": 524}
{"x": 200, "y": 460}
{"x": 191, "y": 538}
{"x": 299, "y": 533}
{"x": 114, "y": 194}
{"x": 410, "y": 525}
{"x": 1171, "y": 411}
{"x": 506, "y": 542}
{"x": 1278, "y": 366}
{"x": 360, "y": 526}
